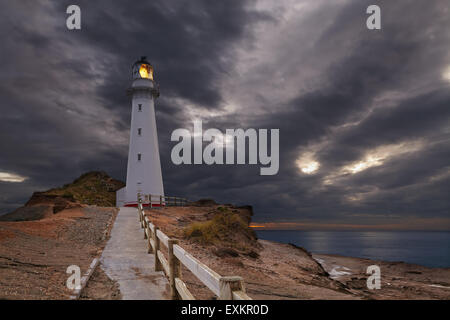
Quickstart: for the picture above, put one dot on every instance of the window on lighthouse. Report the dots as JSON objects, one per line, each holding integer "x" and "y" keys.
{"x": 139, "y": 107}
{"x": 139, "y": 131}
{"x": 139, "y": 156}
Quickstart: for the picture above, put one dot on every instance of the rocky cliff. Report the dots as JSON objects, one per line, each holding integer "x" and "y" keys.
{"x": 92, "y": 188}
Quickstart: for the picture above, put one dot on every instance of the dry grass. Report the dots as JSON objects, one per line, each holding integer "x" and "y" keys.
{"x": 225, "y": 229}
{"x": 93, "y": 188}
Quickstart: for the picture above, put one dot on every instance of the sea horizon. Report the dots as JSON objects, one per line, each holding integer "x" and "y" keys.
{"x": 422, "y": 247}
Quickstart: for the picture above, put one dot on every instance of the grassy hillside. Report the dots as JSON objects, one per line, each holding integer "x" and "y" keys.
{"x": 226, "y": 228}
{"x": 93, "y": 188}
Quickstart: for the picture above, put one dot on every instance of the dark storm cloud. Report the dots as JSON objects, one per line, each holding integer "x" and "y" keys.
{"x": 61, "y": 89}
{"x": 333, "y": 88}
{"x": 379, "y": 64}
{"x": 187, "y": 41}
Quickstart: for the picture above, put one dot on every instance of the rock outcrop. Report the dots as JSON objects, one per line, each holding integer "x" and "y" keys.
{"x": 92, "y": 188}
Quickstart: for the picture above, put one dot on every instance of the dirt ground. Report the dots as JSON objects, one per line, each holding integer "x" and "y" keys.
{"x": 100, "y": 287}
{"x": 281, "y": 271}
{"x": 398, "y": 280}
{"x": 34, "y": 255}
{"x": 284, "y": 271}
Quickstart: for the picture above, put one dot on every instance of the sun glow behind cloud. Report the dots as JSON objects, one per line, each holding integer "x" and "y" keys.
{"x": 370, "y": 161}
{"x": 375, "y": 158}
{"x": 307, "y": 164}
{"x": 310, "y": 167}
{"x": 446, "y": 74}
{"x": 10, "y": 177}
{"x": 379, "y": 155}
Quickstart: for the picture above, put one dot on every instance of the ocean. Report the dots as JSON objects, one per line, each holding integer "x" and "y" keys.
{"x": 427, "y": 248}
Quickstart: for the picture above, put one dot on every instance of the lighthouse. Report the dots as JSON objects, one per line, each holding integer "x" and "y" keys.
{"x": 144, "y": 166}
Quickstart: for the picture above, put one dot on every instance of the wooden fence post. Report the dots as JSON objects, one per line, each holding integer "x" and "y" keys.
{"x": 228, "y": 285}
{"x": 174, "y": 269}
{"x": 158, "y": 266}
{"x": 150, "y": 197}
{"x": 145, "y": 225}
{"x": 139, "y": 207}
{"x": 150, "y": 236}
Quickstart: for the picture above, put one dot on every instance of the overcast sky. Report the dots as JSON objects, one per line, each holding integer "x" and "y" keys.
{"x": 363, "y": 114}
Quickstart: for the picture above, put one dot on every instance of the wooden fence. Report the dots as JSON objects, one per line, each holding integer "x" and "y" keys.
{"x": 159, "y": 201}
{"x": 225, "y": 288}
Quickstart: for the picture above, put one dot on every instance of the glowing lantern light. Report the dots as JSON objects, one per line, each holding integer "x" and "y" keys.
{"x": 146, "y": 71}
{"x": 142, "y": 69}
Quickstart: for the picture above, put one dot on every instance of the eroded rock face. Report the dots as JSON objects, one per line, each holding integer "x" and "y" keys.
{"x": 29, "y": 213}
{"x": 56, "y": 202}
{"x": 42, "y": 197}
{"x": 41, "y": 206}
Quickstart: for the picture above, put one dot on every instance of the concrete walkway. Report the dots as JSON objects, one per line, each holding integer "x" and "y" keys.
{"x": 125, "y": 260}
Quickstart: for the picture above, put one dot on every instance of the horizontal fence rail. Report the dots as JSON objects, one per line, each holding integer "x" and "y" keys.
{"x": 153, "y": 200}
{"x": 225, "y": 288}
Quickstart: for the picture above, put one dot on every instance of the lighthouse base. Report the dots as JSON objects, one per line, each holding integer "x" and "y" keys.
{"x": 125, "y": 200}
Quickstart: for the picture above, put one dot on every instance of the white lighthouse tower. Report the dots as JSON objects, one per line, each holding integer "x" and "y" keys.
{"x": 144, "y": 166}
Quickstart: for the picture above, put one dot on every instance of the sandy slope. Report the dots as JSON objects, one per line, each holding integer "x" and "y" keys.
{"x": 34, "y": 255}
